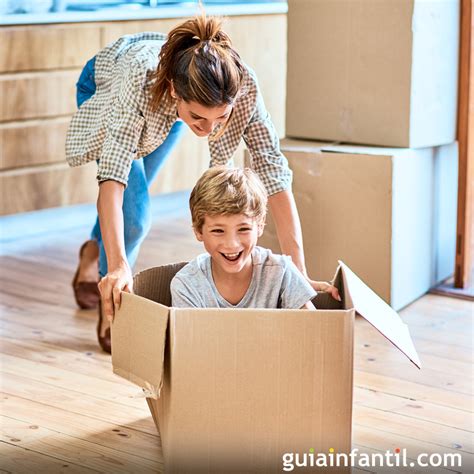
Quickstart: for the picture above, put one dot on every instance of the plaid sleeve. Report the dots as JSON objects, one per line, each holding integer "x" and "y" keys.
{"x": 123, "y": 130}
{"x": 263, "y": 144}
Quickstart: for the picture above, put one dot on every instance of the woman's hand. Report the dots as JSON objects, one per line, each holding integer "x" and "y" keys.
{"x": 325, "y": 287}
{"x": 117, "y": 280}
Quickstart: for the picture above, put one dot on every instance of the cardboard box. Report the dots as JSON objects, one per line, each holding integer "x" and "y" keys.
{"x": 232, "y": 390}
{"x": 374, "y": 72}
{"x": 388, "y": 213}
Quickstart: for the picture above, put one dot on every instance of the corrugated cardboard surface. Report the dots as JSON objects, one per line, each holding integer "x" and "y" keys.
{"x": 388, "y": 213}
{"x": 345, "y": 206}
{"x": 434, "y": 72}
{"x": 248, "y": 386}
{"x": 412, "y": 225}
{"x": 370, "y": 71}
{"x": 240, "y": 388}
{"x": 154, "y": 283}
{"x": 143, "y": 365}
{"x": 445, "y": 216}
{"x": 369, "y": 305}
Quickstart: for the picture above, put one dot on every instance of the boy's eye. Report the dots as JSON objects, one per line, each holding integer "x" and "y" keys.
{"x": 245, "y": 229}
{"x": 217, "y": 231}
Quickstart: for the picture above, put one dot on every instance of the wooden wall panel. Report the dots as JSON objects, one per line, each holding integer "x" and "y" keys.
{"x": 35, "y": 188}
{"x": 36, "y": 105}
{"x": 39, "y": 187}
{"x": 34, "y": 142}
{"x": 27, "y": 48}
{"x": 37, "y": 95}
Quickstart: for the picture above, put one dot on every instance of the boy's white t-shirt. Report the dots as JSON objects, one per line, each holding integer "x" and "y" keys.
{"x": 276, "y": 283}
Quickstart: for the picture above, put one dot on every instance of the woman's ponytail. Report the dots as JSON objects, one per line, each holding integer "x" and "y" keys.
{"x": 198, "y": 59}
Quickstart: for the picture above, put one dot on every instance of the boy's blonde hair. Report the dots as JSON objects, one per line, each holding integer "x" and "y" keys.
{"x": 223, "y": 190}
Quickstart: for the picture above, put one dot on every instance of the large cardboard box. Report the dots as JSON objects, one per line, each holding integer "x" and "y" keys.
{"x": 234, "y": 390}
{"x": 373, "y": 72}
{"x": 388, "y": 213}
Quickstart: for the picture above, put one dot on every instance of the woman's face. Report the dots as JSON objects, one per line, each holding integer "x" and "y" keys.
{"x": 202, "y": 120}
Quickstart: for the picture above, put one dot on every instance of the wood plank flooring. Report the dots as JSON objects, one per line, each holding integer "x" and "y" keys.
{"x": 62, "y": 409}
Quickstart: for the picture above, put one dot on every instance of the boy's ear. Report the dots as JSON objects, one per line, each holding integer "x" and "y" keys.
{"x": 261, "y": 227}
{"x": 198, "y": 234}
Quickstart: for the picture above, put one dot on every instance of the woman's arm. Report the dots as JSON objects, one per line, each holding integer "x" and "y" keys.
{"x": 287, "y": 222}
{"x": 123, "y": 130}
{"x": 288, "y": 227}
{"x": 267, "y": 160}
{"x": 119, "y": 276}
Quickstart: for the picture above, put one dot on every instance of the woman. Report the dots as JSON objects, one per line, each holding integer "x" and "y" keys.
{"x": 134, "y": 97}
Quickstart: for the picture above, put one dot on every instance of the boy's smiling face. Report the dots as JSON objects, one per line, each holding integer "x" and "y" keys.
{"x": 230, "y": 240}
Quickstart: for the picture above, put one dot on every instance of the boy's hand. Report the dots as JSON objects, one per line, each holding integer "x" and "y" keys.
{"x": 325, "y": 287}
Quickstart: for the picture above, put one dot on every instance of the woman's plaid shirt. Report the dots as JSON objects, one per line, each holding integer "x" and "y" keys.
{"x": 117, "y": 125}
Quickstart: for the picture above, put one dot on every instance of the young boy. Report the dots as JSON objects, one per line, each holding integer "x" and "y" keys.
{"x": 228, "y": 209}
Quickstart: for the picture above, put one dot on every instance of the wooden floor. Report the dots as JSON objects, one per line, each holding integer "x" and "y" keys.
{"x": 64, "y": 411}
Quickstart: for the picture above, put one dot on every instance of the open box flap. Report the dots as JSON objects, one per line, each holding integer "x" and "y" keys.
{"x": 378, "y": 313}
{"x": 138, "y": 342}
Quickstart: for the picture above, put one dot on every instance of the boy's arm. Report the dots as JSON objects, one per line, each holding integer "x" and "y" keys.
{"x": 296, "y": 292}
{"x": 182, "y": 295}
{"x": 288, "y": 227}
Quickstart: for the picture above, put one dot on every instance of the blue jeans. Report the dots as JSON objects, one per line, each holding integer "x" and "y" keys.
{"x": 136, "y": 199}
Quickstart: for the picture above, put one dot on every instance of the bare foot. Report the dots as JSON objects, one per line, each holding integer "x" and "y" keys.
{"x": 89, "y": 263}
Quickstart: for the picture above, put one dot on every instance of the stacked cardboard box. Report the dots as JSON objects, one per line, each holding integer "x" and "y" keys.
{"x": 382, "y": 73}
{"x": 388, "y": 213}
{"x": 377, "y": 72}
